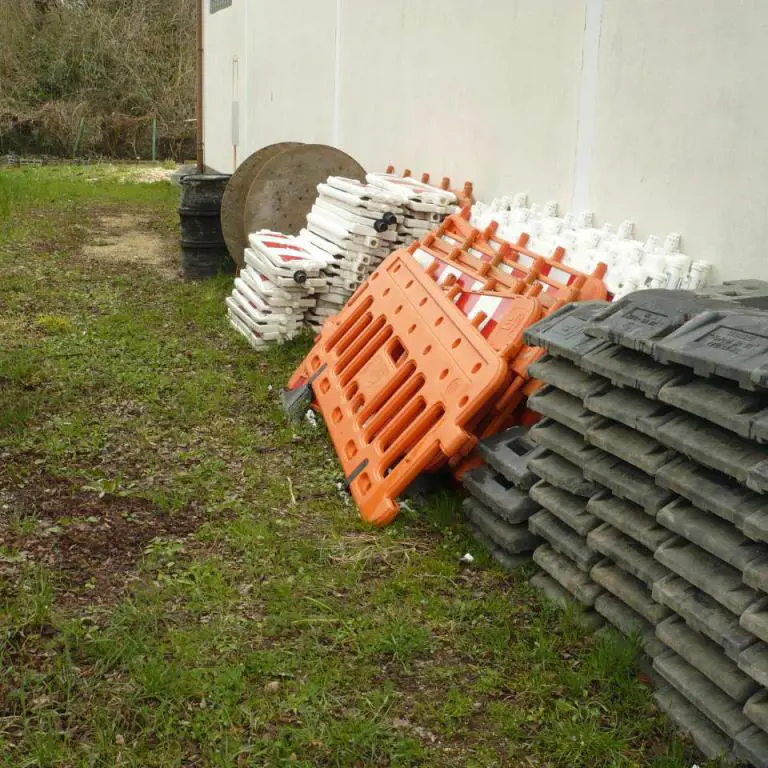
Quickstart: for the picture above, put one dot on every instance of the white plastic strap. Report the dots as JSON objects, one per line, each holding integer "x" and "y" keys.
{"x": 364, "y": 191}
{"x": 280, "y": 315}
{"x": 255, "y": 341}
{"x": 328, "y": 226}
{"x": 411, "y": 189}
{"x": 289, "y": 256}
{"x": 271, "y": 293}
{"x": 356, "y": 215}
{"x": 356, "y": 225}
{"x": 252, "y": 325}
{"x": 375, "y": 207}
{"x": 281, "y": 277}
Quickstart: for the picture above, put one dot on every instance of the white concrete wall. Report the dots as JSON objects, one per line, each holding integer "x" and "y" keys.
{"x": 642, "y": 109}
{"x": 485, "y": 90}
{"x": 290, "y": 72}
{"x": 224, "y": 41}
{"x": 681, "y": 124}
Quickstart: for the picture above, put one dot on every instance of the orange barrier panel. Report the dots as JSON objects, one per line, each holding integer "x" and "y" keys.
{"x": 397, "y": 379}
{"x": 428, "y": 356}
{"x": 518, "y": 261}
{"x": 465, "y": 195}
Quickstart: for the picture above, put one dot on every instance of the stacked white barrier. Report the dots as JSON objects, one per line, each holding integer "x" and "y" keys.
{"x": 352, "y": 227}
{"x": 280, "y": 281}
{"x": 289, "y": 281}
{"x": 632, "y": 264}
{"x": 423, "y": 206}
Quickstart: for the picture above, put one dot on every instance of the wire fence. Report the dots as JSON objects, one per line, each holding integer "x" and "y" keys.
{"x": 117, "y": 137}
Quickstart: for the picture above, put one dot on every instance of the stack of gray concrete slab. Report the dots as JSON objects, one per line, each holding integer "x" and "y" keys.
{"x": 655, "y": 411}
{"x": 499, "y": 507}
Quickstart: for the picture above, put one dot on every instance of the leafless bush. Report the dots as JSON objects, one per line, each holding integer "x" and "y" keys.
{"x": 105, "y": 68}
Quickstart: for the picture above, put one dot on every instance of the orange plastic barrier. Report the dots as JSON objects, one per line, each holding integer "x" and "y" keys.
{"x": 465, "y": 195}
{"x": 428, "y": 356}
{"x": 397, "y": 379}
{"x": 518, "y": 261}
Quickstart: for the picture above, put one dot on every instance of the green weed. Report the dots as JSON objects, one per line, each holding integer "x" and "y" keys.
{"x": 272, "y": 628}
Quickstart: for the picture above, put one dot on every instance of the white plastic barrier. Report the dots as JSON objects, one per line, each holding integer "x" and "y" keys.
{"x": 352, "y": 227}
{"x": 632, "y": 264}
{"x": 423, "y": 205}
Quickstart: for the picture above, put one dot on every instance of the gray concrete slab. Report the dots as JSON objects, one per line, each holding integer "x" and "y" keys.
{"x": 627, "y": 482}
{"x": 718, "y": 449}
{"x": 562, "y": 474}
{"x": 562, "y": 441}
{"x": 728, "y": 343}
{"x": 567, "y": 377}
{"x": 634, "y": 558}
{"x": 589, "y": 620}
{"x": 714, "y": 703}
{"x": 719, "y": 401}
{"x": 756, "y": 526}
{"x": 753, "y": 661}
{"x": 635, "y": 448}
{"x": 566, "y": 573}
{"x": 707, "y": 657}
{"x": 704, "y": 614}
{"x": 755, "y": 573}
{"x": 711, "y": 491}
{"x": 708, "y": 573}
{"x": 756, "y": 709}
{"x": 713, "y": 534}
{"x": 502, "y": 557}
{"x": 509, "y": 453}
{"x": 628, "y": 622}
{"x": 627, "y": 406}
{"x": 712, "y": 742}
{"x": 751, "y": 746}
{"x": 499, "y": 495}
{"x": 629, "y": 590}
{"x": 757, "y": 477}
{"x": 562, "y": 332}
{"x": 746, "y": 293}
{"x": 642, "y": 319}
{"x": 755, "y": 618}
{"x": 564, "y": 539}
{"x": 566, "y": 507}
{"x": 630, "y": 519}
{"x": 513, "y": 539}
{"x": 627, "y": 368}
{"x": 564, "y": 409}
{"x": 760, "y": 428}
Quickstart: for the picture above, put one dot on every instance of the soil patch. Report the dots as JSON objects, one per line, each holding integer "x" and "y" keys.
{"x": 92, "y": 541}
{"x": 128, "y": 239}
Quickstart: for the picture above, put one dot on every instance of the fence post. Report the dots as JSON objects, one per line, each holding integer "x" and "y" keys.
{"x": 154, "y": 139}
{"x": 78, "y": 138}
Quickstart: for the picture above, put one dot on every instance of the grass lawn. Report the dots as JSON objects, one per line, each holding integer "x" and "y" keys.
{"x": 183, "y": 584}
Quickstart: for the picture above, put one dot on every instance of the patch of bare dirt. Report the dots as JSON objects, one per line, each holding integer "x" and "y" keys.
{"x": 148, "y": 175}
{"x": 92, "y": 541}
{"x": 128, "y": 238}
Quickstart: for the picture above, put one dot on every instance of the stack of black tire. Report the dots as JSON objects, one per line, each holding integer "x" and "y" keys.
{"x": 203, "y": 250}
{"x": 653, "y": 491}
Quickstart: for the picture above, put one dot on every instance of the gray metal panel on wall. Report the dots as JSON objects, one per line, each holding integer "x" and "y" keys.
{"x": 220, "y": 5}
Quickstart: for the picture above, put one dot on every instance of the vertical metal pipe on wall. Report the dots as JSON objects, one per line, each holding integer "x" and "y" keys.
{"x": 199, "y": 86}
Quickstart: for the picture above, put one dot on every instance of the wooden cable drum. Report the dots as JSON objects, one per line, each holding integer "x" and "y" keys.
{"x": 233, "y": 202}
{"x": 275, "y": 189}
